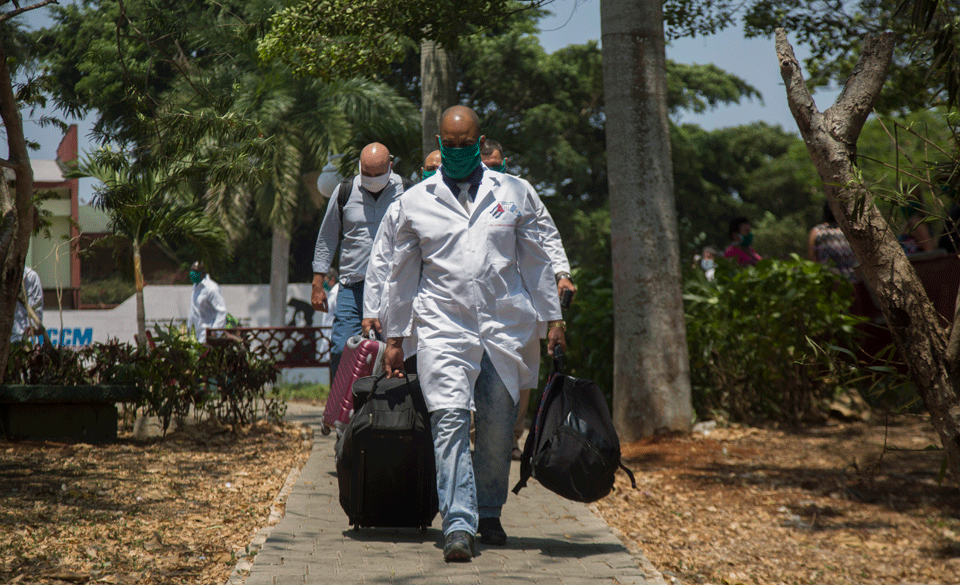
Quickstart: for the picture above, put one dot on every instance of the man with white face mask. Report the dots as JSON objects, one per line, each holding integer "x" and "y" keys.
{"x": 352, "y": 225}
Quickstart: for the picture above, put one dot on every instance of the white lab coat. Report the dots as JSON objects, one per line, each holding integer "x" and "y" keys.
{"x": 549, "y": 234}
{"x": 207, "y": 308}
{"x": 475, "y": 284}
{"x": 376, "y": 286}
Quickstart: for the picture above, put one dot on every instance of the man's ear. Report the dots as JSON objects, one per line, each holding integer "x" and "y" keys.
{"x": 438, "y": 141}
{"x": 482, "y": 140}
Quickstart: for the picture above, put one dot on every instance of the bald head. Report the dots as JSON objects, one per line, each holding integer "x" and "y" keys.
{"x": 432, "y": 162}
{"x": 459, "y": 127}
{"x": 374, "y": 160}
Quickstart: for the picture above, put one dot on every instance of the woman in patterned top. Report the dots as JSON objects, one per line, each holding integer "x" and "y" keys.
{"x": 828, "y": 246}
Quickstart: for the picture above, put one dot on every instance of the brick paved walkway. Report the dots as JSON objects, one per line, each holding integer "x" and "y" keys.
{"x": 551, "y": 540}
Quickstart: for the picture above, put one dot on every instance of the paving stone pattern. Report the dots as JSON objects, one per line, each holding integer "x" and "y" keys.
{"x": 551, "y": 541}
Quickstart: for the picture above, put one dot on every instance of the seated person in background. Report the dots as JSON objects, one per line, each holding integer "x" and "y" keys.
{"x": 915, "y": 233}
{"x": 828, "y": 246}
{"x": 741, "y": 239}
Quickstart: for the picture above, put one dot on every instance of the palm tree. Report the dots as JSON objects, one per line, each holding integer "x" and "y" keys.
{"x": 297, "y": 121}
{"x": 139, "y": 199}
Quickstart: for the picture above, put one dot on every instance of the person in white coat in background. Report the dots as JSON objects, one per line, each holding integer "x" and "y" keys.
{"x": 493, "y": 157}
{"x": 207, "y": 309}
{"x": 377, "y": 287}
{"x": 469, "y": 276}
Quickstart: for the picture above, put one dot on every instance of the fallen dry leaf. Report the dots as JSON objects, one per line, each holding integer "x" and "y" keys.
{"x": 140, "y": 513}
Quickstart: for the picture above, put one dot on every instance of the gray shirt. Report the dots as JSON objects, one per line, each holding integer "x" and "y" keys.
{"x": 361, "y": 218}
{"x": 34, "y": 290}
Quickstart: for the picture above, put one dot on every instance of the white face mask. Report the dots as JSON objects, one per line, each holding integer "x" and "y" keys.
{"x": 375, "y": 184}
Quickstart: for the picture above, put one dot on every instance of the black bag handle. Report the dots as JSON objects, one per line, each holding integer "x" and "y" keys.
{"x": 558, "y": 359}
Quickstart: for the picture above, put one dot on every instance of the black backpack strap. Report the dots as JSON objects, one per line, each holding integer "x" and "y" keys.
{"x": 629, "y": 473}
{"x": 343, "y": 195}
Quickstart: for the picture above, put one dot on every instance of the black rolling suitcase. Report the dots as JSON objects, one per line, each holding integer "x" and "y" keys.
{"x": 385, "y": 460}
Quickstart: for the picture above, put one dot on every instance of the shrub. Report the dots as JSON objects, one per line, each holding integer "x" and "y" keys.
{"x": 224, "y": 381}
{"x": 765, "y": 341}
{"x": 112, "y": 290}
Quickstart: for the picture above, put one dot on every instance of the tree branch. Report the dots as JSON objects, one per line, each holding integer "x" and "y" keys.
{"x": 801, "y": 103}
{"x": 862, "y": 88}
{"x": 13, "y": 13}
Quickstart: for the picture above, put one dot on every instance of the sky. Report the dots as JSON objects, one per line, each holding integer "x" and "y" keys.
{"x": 576, "y": 22}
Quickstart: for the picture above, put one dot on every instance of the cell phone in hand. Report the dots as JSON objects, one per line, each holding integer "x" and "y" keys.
{"x": 566, "y": 297}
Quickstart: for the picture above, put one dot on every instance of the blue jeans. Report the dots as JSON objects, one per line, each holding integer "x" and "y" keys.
{"x": 346, "y": 322}
{"x": 474, "y": 487}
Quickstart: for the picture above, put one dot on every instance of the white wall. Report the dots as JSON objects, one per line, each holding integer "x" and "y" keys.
{"x": 249, "y": 303}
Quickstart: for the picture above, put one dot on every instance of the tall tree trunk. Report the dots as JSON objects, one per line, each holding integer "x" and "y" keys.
{"x": 16, "y": 210}
{"x": 438, "y": 89}
{"x": 138, "y": 284}
{"x": 831, "y": 139}
{"x": 651, "y": 391}
{"x": 279, "y": 273}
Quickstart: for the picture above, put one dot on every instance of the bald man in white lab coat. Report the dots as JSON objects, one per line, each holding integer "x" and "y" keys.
{"x": 470, "y": 277}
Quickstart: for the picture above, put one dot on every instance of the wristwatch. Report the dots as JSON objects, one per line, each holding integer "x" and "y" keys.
{"x": 555, "y": 324}
{"x": 561, "y": 275}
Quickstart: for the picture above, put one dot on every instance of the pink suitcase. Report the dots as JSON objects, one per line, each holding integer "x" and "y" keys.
{"x": 361, "y": 357}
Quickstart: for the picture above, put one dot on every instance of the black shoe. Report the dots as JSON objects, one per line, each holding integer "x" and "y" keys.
{"x": 458, "y": 547}
{"x": 491, "y": 532}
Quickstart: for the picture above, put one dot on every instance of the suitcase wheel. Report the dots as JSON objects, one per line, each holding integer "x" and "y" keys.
{"x": 324, "y": 430}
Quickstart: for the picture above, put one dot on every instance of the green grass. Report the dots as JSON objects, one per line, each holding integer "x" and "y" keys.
{"x": 303, "y": 392}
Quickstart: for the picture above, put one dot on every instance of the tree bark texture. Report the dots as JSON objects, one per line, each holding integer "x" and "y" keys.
{"x": 279, "y": 273}
{"x": 16, "y": 210}
{"x": 138, "y": 285}
{"x": 651, "y": 392}
{"x": 831, "y": 137}
{"x": 438, "y": 89}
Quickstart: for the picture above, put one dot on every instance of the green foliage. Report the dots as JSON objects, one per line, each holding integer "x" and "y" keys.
{"x": 300, "y": 390}
{"x": 119, "y": 58}
{"x": 137, "y": 197}
{"x": 749, "y": 335}
{"x": 926, "y": 65}
{"x": 347, "y": 38}
{"x": 590, "y": 317}
{"x": 748, "y": 170}
{"x": 780, "y": 237}
{"x": 223, "y": 381}
{"x": 896, "y": 154}
{"x": 698, "y": 88}
{"x": 108, "y": 291}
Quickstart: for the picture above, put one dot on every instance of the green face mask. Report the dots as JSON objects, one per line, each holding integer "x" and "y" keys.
{"x": 501, "y": 168}
{"x": 428, "y": 174}
{"x": 747, "y": 240}
{"x": 458, "y": 163}
{"x": 195, "y": 277}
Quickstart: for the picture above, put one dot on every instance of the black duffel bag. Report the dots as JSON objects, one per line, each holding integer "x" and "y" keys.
{"x": 385, "y": 460}
{"x": 572, "y": 448}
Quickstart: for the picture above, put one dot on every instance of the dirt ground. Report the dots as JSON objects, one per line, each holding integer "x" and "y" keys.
{"x": 739, "y": 505}
{"x": 825, "y": 505}
{"x": 177, "y": 511}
